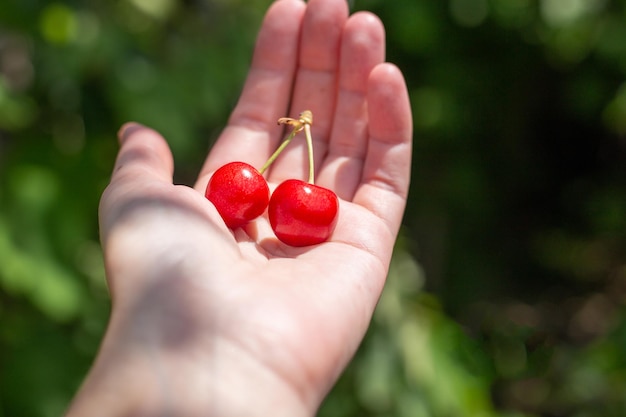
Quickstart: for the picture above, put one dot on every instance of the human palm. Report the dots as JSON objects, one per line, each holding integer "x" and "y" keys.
{"x": 220, "y": 302}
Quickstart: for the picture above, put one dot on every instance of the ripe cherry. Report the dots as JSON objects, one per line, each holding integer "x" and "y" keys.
{"x": 302, "y": 214}
{"x": 239, "y": 193}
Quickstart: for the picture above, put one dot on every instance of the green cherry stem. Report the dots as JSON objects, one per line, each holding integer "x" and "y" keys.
{"x": 302, "y": 123}
{"x": 277, "y": 152}
{"x": 309, "y": 145}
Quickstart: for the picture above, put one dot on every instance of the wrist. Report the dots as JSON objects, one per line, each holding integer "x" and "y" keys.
{"x": 145, "y": 379}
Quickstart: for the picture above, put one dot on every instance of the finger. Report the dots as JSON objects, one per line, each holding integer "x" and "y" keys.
{"x": 387, "y": 168}
{"x": 144, "y": 161}
{"x": 143, "y": 155}
{"x": 252, "y": 132}
{"x": 362, "y": 48}
{"x": 315, "y": 83}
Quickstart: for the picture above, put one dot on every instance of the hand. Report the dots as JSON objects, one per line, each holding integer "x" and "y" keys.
{"x": 210, "y": 322}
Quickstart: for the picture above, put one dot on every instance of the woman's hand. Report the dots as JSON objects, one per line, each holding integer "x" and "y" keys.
{"x": 210, "y": 322}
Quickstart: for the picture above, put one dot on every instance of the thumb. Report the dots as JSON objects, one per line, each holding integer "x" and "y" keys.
{"x": 143, "y": 155}
{"x": 143, "y": 162}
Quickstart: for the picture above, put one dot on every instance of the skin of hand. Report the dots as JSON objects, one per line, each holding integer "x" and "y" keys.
{"x": 210, "y": 322}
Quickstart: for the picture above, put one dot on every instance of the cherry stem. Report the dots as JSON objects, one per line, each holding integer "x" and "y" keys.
{"x": 309, "y": 144}
{"x": 278, "y": 151}
{"x": 302, "y": 123}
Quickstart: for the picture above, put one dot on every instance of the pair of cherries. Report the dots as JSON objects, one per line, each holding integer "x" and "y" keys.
{"x": 300, "y": 213}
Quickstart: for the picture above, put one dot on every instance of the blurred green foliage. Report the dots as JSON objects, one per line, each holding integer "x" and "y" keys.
{"x": 506, "y": 295}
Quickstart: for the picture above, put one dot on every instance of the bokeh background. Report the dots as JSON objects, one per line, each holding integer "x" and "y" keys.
{"x": 507, "y": 293}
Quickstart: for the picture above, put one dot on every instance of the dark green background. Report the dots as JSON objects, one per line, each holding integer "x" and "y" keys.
{"x": 507, "y": 291}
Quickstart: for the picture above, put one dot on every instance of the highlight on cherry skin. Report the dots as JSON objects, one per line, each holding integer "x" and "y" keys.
{"x": 300, "y": 213}
{"x": 239, "y": 193}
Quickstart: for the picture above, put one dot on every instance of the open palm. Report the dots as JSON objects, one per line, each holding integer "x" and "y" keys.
{"x": 223, "y": 303}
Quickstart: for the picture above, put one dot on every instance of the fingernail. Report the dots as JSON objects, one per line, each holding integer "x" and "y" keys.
{"x": 127, "y": 129}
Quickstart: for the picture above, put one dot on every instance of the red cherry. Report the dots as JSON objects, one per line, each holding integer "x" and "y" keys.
{"x": 238, "y": 192}
{"x": 302, "y": 214}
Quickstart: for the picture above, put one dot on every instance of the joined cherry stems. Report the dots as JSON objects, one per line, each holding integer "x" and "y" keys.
{"x": 303, "y": 122}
